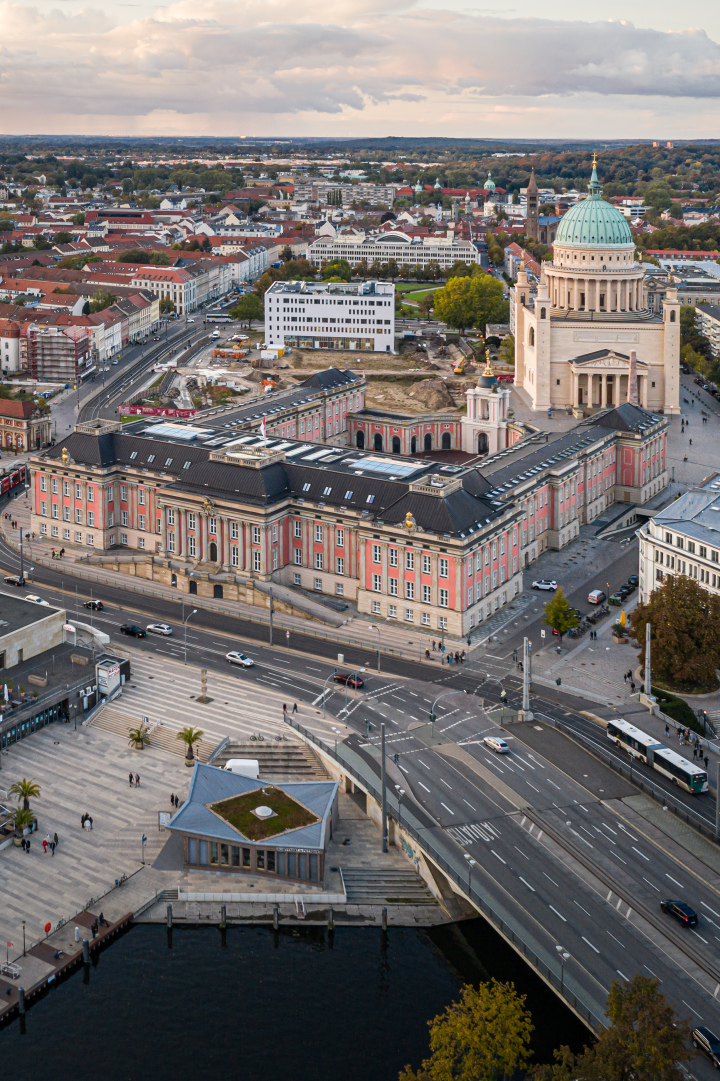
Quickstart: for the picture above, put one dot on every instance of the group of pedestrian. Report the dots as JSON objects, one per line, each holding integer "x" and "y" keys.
{"x": 86, "y": 822}
{"x": 174, "y": 800}
{"x": 294, "y": 709}
{"x": 456, "y": 657}
{"x": 51, "y": 843}
{"x": 593, "y": 636}
{"x": 628, "y": 678}
{"x": 97, "y": 923}
{"x": 58, "y": 555}
{"x": 134, "y": 779}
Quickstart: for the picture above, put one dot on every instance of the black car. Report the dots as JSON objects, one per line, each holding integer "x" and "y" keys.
{"x": 624, "y": 591}
{"x": 133, "y": 631}
{"x": 633, "y": 580}
{"x": 707, "y": 1042}
{"x": 96, "y": 606}
{"x": 682, "y": 912}
{"x": 14, "y": 580}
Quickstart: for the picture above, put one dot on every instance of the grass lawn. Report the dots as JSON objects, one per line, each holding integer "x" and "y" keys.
{"x": 238, "y": 811}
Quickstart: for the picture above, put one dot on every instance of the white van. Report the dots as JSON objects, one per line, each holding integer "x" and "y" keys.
{"x": 246, "y": 767}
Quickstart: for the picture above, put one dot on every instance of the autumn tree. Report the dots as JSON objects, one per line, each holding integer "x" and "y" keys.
{"x": 644, "y": 1041}
{"x": 483, "y": 1037}
{"x": 248, "y": 308}
{"x": 558, "y": 614}
{"x": 475, "y": 301}
{"x": 685, "y": 633}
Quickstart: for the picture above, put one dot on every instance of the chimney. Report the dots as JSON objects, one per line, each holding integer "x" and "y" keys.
{"x": 632, "y": 392}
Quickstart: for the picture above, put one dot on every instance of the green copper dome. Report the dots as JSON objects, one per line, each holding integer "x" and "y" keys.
{"x": 593, "y": 223}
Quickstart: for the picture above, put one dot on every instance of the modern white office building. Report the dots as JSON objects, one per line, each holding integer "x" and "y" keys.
{"x": 331, "y": 315}
{"x": 683, "y": 538}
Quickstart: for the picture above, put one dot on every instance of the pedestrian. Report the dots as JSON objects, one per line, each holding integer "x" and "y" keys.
{"x": 53, "y": 553}
{"x": 295, "y": 709}
{"x": 284, "y": 708}
{"x": 706, "y": 761}
{"x": 137, "y": 780}
{"x": 23, "y": 843}
{"x": 102, "y": 921}
{"x": 667, "y": 731}
{"x": 27, "y": 846}
{"x": 172, "y": 799}
{"x": 82, "y": 821}
{"x": 427, "y": 654}
{"x": 45, "y": 844}
{"x": 690, "y": 441}
{"x": 625, "y": 677}
{"x": 56, "y": 840}
{"x": 94, "y": 928}
{"x": 632, "y": 686}
{"x": 177, "y": 801}
{"x": 457, "y": 657}
{"x": 694, "y": 753}
{"x": 52, "y": 848}
{"x": 433, "y": 645}
{"x": 89, "y": 821}
{"x": 462, "y": 657}
{"x": 130, "y": 778}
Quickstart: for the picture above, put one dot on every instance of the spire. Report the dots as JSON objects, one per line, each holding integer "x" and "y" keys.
{"x": 632, "y": 392}
{"x": 532, "y": 183}
{"x": 488, "y": 365}
{"x": 594, "y": 185}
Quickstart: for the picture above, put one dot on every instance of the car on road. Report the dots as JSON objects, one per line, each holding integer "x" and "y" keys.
{"x": 633, "y": 580}
{"x": 707, "y": 1042}
{"x": 159, "y": 628}
{"x": 680, "y": 911}
{"x": 494, "y": 743}
{"x": 95, "y": 606}
{"x": 545, "y": 583}
{"x": 34, "y": 599}
{"x": 349, "y": 679}
{"x": 133, "y": 630}
{"x": 14, "y": 580}
{"x": 596, "y": 596}
{"x": 156, "y": 338}
{"x": 235, "y": 657}
{"x": 116, "y": 362}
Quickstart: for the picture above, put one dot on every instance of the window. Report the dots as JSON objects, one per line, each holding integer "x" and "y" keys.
{"x": 370, "y": 499}
{"x": 327, "y": 491}
{"x": 443, "y": 598}
{"x": 151, "y": 458}
{"x": 123, "y": 492}
{"x": 393, "y": 587}
{"x": 256, "y": 534}
{"x": 442, "y": 623}
{"x": 426, "y": 594}
{"x": 425, "y": 619}
{"x": 168, "y": 461}
{"x": 212, "y": 525}
{"x": 78, "y": 517}
{"x": 123, "y": 538}
{"x": 470, "y": 596}
{"x": 392, "y": 611}
{"x": 443, "y": 567}
{"x": 297, "y": 557}
{"x": 340, "y": 538}
{"x": 426, "y": 564}
{"x": 91, "y": 518}
{"x": 392, "y": 557}
{"x": 66, "y": 536}
{"x": 317, "y": 583}
{"x": 234, "y": 556}
{"x": 376, "y": 608}
{"x": 348, "y": 494}
{"x": 296, "y": 579}
{"x": 43, "y": 484}
{"x": 43, "y": 528}
{"x": 274, "y": 559}
{"x": 171, "y": 516}
{"x": 54, "y": 531}
{"x": 376, "y": 553}
{"x": 339, "y": 566}
{"x": 306, "y": 487}
{"x": 123, "y": 517}
{"x": 141, "y": 542}
{"x": 318, "y": 533}
{"x": 191, "y": 546}
{"x": 170, "y": 542}
{"x": 66, "y": 514}
{"x": 318, "y": 561}
{"x": 409, "y": 561}
{"x": 55, "y": 510}
{"x": 297, "y": 529}
{"x": 55, "y": 486}
{"x": 376, "y": 583}
{"x": 256, "y": 561}
{"x": 409, "y": 615}
{"x": 191, "y": 521}
{"x": 409, "y": 591}
{"x": 66, "y": 489}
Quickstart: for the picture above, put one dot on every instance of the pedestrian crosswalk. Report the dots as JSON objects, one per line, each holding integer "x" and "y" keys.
{"x": 474, "y": 831}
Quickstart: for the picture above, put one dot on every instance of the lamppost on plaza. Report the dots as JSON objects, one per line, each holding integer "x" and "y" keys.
{"x": 470, "y": 863}
{"x": 374, "y": 627}
{"x": 400, "y": 793}
{"x": 185, "y": 623}
{"x": 564, "y": 956}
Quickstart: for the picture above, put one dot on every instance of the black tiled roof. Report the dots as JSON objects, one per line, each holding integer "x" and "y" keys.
{"x": 627, "y": 418}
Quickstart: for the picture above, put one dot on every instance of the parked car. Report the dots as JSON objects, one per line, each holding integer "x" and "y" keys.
{"x": 96, "y": 606}
{"x": 494, "y": 743}
{"x": 630, "y": 587}
{"x": 707, "y": 1042}
{"x": 133, "y": 631}
{"x": 158, "y": 628}
{"x": 34, "y": 599}
{"x": 633, "y": 580}
{"x": 14, "y": 580}
{"x": 624, "y": 591}
{"x": 349, "y": 680}
{"x": 544, "y": 583}
{"x": 235, "y": 657}
{"x": 116, "y": 362}
{"x": 596, "y": 596}
{"x": 683, "y": 913}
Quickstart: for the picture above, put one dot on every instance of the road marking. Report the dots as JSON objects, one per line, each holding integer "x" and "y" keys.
{"x": 618, "y": 857}
{"x": 553, "y": 784}
{"x": 309, "y": 669}
{"x": 624, "y": 977}
{"x": 651, "y": 883}
{"x": 526, "y": 883}
{"x": 674, "y": 880}
{"x": 640, "y": 853}
{"x": 710, "y": 909}
{"x": 469, "y": 804}
{"x": 532, "y": 786}
{"x": 521, "y": 852}
{"x": 616, "y": 939}
{"x": 423, "y": 786}
{"x": 605, "y": 826}
{"x": 590, "y": 943}
{"x": 609, "y": 895}
{"x": 446, "y": 784}
{"x": 523, "y": 820}
{"x": 558, "y": 913}
{"x": 700, "y": 937}
{"x": 423, "y": 763}
{"x": 691, "y": 1008}
{"x": 498, "y": 857}
{"x": 448, "y": 809}
{"x": 414, "y": 694}
{"x": 551, "y": 880}
{"x": 656, "y": 975}
{"x": 406, "y": 771}
{"x": 581, "y": 908}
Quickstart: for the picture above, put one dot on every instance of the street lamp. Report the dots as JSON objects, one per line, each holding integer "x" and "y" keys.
{"x": 400, "y": 793}
{"x": 433, "y": 715}
{"x": 333, "y": 673}
{"x": 470, "y": 863}
{"x": 564, "y": 956}
{"x": 374, "y": 627}
{"x": 185, "y": 623}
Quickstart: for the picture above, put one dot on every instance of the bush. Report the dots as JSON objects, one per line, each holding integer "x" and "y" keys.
{"x": 678, "y": 709}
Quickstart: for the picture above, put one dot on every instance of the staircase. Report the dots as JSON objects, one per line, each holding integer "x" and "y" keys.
{"x": 112, "y": 718}
{"x": 278, "y": 760}
{"x": 365, "y": 886}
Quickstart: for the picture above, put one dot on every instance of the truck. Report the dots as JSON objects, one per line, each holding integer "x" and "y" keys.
{"x": 245, "y": 767}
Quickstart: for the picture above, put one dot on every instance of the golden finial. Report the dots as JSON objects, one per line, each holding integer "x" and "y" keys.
{"x": 65, "y": 455}
{"x": 594, "y": 157}
{"x": 488, "y": 365}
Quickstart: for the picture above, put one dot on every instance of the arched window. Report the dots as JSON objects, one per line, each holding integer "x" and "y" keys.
{"x": 446, "y": 441}
{"x": 543, "y": 313}
{"x": 413, "y": 445}
{"x": 672, "y": 317}
{"x": 428, "y": 441}
{"x": 360, "y": 440}
{"x": 531, "y": 336}
{"x": 377, "y": 441}
{"x": 396, "y": 444}
{"x": 482, "y": 443}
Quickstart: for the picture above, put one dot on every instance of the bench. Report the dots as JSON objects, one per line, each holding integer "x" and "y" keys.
{"x": 9, "y": 969}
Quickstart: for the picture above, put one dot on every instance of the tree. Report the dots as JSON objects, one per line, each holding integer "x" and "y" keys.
{"x": 507, "y": 350}
{"x": 286, "y": 253}
{"x": 138, "y": 737}
{"x": 685, "y": 633}
{"x": 25, "y": 790}
{"x": 644, "y": 1040}
{"x": 21, "y": 820}
{"x": 559, "y": 615}
{"x": 339, "y": 269}
{"x": 101, "y": 301}
{"x": 476, "y": 301}
{"x": 483, "y": 1037}
{"x": 248, "y": 308}
{"x": 166, "y": 305}
{"x": 63, "y": 237}
{"x": 189, "y": 736}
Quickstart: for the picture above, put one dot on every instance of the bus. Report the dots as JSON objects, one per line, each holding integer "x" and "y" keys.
{"x": 12, "y": 476}
{"x": 655, "y": 754}
{"x": 215, "y": 318}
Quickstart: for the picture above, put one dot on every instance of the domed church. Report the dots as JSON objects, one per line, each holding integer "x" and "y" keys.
{"x": 574, "y": 339}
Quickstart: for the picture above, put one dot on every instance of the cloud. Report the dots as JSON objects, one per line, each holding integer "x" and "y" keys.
{"x": 240, "y": 59}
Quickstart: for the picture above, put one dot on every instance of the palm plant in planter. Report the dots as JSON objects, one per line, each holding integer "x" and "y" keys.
{"x": 25, "y": 790}
{"x": 189, "y": 736}
{"x": 138, "y": 737}
{"x": 21, "y": 820}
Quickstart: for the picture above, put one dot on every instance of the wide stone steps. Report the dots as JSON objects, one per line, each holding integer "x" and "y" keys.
{"x": 112, "y": 718}
{"x": 278, "y": 759}
{"x": 391, "y": 886}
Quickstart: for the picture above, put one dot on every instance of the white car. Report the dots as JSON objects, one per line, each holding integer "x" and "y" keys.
{"x": 596, "y": 596}
{"x": 34, "y": 599}
{"x": 239, "y": 658}
{"x": 545, "y": 583}
{"x": 494, "y": 743}
{"x": 158, "y": 628}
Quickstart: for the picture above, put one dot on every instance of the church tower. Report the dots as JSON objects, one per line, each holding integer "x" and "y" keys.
{"x": 485, "y": 424}
{"x": 531, "y": 221}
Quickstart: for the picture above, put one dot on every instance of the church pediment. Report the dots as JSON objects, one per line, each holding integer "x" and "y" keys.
{"x": 604, "y": 360}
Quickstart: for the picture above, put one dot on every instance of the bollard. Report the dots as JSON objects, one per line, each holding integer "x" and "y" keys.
{"x": 86, "y": 952}
{"x": 21, "y": 999}
{"x": 223, "y": 916}
{"x": 276, "y": 917}
{"x": 169, "y": 916}
{"x": 331, "y": 920}
{"x": 384, "y": 919}
{"x": 77, "y": 934}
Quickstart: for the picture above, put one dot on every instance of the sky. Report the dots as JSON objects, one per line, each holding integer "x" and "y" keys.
{"x": 356, "y": 68}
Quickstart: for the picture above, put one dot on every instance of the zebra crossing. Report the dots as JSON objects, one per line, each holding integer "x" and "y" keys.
{"x": 474, "y": 831}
